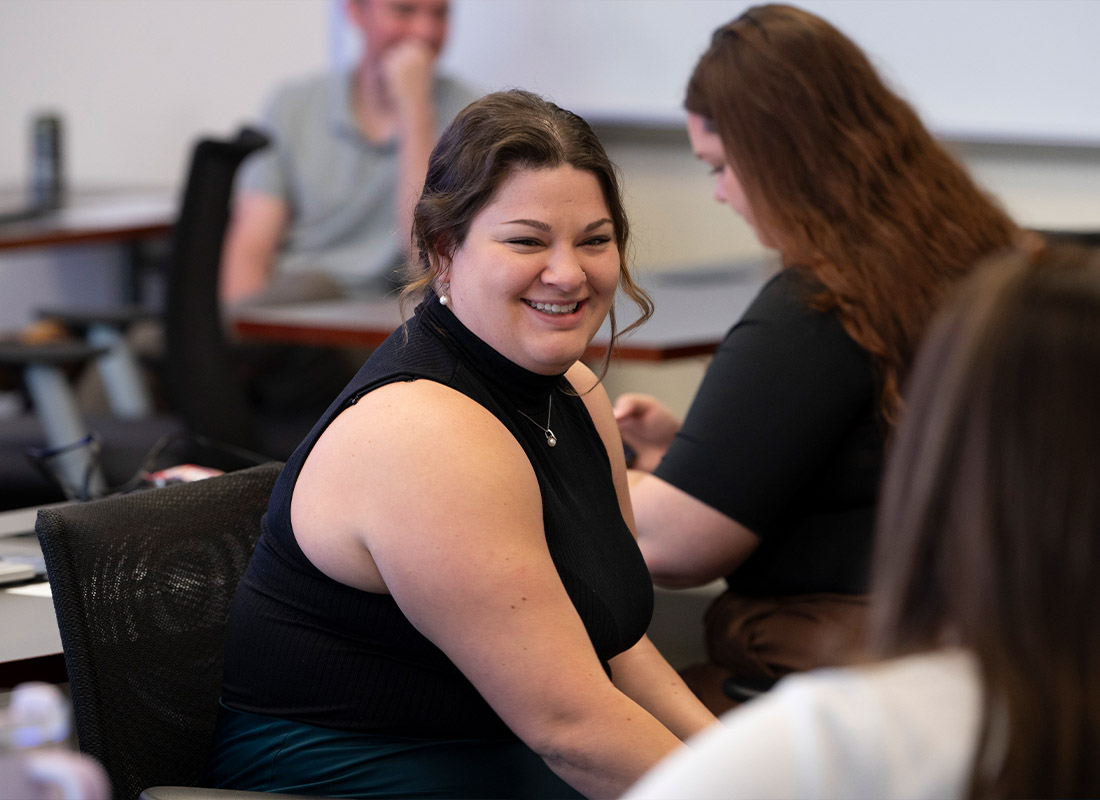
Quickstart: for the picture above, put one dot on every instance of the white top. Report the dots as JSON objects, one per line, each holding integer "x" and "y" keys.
{"x": 905, "y": 728}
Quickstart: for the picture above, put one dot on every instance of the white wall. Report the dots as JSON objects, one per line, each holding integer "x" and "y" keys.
{"x": 627, "y": 59}
{"x": 137, "y": 80}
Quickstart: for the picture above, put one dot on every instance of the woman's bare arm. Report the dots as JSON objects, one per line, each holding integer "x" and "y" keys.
{"x": 418, "y": 491}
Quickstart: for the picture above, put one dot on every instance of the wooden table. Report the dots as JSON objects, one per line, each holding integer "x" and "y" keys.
{"x": 129, "y": 217}
{"x": 693, "y": 310}
{"x": 93, "y": 215}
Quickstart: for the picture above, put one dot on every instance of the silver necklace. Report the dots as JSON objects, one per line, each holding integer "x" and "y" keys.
{"x": 551, "y": 439}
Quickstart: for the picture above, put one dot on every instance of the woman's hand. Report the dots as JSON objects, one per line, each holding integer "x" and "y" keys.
{"x": 647, "y": 427}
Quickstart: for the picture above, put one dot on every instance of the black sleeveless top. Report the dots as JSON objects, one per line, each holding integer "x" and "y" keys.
{"x": 304, "y": 647}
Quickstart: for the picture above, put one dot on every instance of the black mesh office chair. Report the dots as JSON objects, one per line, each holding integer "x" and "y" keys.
{"x": 199, "y": 375}
{"x": 141, "y": 586}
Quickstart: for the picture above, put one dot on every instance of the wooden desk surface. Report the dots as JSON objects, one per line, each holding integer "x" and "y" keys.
{"x": 89, "y": 216}
{"x": 693, "y": 310}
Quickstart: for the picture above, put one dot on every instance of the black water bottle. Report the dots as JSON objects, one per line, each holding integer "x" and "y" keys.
{"x": 47, "y": 164}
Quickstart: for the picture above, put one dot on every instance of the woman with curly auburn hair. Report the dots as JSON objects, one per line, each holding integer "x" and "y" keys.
{"x": 771, "y": 482}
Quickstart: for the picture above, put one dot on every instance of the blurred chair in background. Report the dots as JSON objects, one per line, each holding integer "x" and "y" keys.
{"x": 203, "y": 392}
{"x": 202, "y": 380}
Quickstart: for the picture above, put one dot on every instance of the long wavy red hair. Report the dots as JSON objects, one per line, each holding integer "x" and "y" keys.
{"x": 844, "y": 179}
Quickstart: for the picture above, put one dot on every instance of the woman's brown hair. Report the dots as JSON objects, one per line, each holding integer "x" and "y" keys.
{"x": 844, "y": 179}
{"x": 485, "y": 144}
{"x": 989, "y": 522}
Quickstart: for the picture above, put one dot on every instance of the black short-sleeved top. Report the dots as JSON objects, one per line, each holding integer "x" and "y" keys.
{"x": 304, "y": 647}
{"x": 784, "y": 437}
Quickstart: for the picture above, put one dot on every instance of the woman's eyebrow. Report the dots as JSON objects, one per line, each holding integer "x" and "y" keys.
{"x": 534, "y": 223}
{"x": 542, "y": 226}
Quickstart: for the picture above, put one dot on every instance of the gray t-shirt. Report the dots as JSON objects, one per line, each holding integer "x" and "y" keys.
{"x": 338, "y": 186}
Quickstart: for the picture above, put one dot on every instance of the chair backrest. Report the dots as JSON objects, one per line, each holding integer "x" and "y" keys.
{"x": 142, "y": 585}
{"x": 200, "y": 377}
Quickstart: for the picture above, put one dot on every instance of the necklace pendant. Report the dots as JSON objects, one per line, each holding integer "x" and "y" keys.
{"x": 551, "y": 439}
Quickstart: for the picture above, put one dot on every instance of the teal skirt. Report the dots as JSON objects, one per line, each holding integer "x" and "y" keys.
{"x": 260, "y": 753}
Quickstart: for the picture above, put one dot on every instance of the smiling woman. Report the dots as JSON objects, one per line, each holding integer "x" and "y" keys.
{"x": 537, "y": 273}
{"x": 491, "y": 151}
{"x": 447, "y": 599}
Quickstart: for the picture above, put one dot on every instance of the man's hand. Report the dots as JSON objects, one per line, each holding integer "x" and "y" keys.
{"x": 407, "y": 71}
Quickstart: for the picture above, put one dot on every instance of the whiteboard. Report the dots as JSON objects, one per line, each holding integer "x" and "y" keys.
{"x": 990, "y": 70}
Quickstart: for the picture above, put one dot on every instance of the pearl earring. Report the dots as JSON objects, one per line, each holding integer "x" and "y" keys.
{"x": 444, "y": 300}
